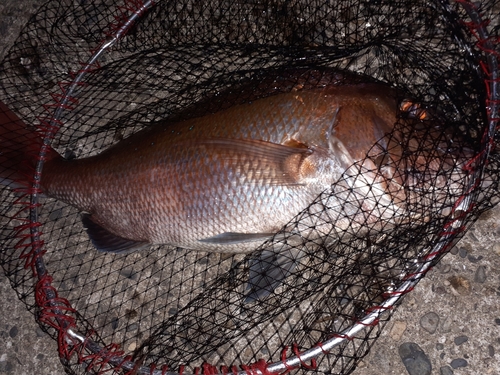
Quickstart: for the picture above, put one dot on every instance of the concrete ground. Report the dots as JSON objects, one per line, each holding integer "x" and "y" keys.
{"x": 453, "y": 315}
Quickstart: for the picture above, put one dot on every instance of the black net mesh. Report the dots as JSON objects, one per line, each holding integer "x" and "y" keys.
{"x": 353, "y": 248}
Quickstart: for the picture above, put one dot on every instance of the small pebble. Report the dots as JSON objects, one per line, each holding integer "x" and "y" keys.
{"x": 472, "y": 236}
{"x": 480, "y": 275}
{"x": 496, "y": 248}
{"x": 129, "y": 274}
{"x": 203, "y": 260}
{"x": 446, "y": 268}
{"x": 460, "y": 284}
{"x": 460, "y": 340}
{"x": 497, "y": 321}
{"x": 13, "y": 332}
{"x": 172, "y": 311}
{"x": 6, "y": 366}
{"x": 458, "y": 362}
{"x": 445, "y": 370}
{"x": 462, "y": 252}
{"x": 440, "y": 290}
{"x": 414, "y": 359}
{"x": 397, "y": 330}
{"x": 454, "y": 251}
{"x": 39, "y": 332}
{"x": 445, "y": 325}
{"x": 132, "y": 347}
{"x": 439, "y": 346}
{"x": 430, "y": 322}
{"x": 491, "y": 350}
{"x": 473, "y": 259}
{"x": 56, "y": 214}
{"x": 114, "y": 323}
{"x": 132, "y": 327}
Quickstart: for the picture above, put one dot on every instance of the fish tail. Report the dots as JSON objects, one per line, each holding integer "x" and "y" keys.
{"x": 19, "y": 150}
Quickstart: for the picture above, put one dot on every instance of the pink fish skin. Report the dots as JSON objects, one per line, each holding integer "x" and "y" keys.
{"x": 226, "y": 181}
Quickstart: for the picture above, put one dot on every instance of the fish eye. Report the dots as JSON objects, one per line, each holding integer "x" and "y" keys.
{"x": 414, "y": 110}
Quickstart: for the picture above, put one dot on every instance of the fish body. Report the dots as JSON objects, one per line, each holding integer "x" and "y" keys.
{"x": 227, "y": 181}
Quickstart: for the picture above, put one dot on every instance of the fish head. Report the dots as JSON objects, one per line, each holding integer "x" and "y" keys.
{"x": 423, "y": 164}
{"x": 400, "y": 157}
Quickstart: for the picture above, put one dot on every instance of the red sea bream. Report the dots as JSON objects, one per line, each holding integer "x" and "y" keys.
{"x": 226, "y": 181}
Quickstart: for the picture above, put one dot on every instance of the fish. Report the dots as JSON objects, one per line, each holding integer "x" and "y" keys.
{"x": 227, "y": 179}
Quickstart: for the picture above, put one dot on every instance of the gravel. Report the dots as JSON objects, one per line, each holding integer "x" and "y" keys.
{"x": 414, "y": 359}
{"x": 458, "y": 362}
{"x": 430, "y": 322}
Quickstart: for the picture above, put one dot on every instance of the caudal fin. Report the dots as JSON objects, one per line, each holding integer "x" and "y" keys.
{"x": 19, "y": 147}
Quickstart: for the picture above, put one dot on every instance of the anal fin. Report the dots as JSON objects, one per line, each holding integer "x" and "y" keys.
{"x": 229, "y": 238}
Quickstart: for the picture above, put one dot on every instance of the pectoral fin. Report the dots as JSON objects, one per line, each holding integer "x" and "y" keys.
{"x": 107, "y": 242}
{"x": 269, "y": 270}
{"x": 273, "y": 163}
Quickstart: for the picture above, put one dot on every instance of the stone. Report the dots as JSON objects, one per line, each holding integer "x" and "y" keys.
{"x": 446, "y": 268}
{"x": 439, "y": 346}
{"x": 56, "y": 214}
{"x": 39, "y": 332}
{"x": 440, "y": 290}
{"x": 462, "y": 252}
{"x": 445, "y": 326}
{"x": 129, "y": 273}
{"x": 460, "y": 284}
{"x": 458, "y": 362}
{"x": 114, "y": 323}
{"x": 445, "y": 370}
{"x": 474, "y": 259}
{"x": 491, "y": 350}
{"x": 397, "y": 330}
{"x": 172, "y": 311}
{"x": 460, "y": 340}
{"x": 414, "y": 359}
{"x": 480, "y": 275}
{"x": 132, "y": 327}
{"x": 496, "y": 248}
{"x": 6, "y": 367}
{"x": 13, "y": 332}
{"x": 430, "y": 322}
{"x": 472, "y": 236}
